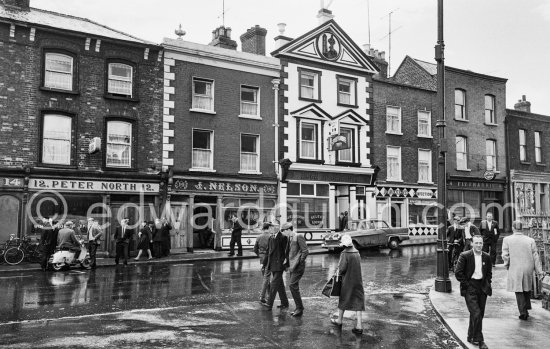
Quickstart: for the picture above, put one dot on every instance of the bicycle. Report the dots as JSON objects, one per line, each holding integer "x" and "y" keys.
{"x": 24, "y": 249}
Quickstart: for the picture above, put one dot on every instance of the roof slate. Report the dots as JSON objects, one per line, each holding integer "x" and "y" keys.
{"x": 431, "y": 68}
{"x": 67, "y": 22}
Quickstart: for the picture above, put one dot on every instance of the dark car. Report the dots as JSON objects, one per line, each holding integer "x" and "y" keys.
{"x": 368, "y": 233}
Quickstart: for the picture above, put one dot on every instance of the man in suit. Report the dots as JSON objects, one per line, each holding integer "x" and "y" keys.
{"x": 474, "y": 271}
{"x": 454, "y": 239}
{"x": 468, "y": 233}
{"x": 123, "y": 234}
{"x": 260, "y": 248}
{"x": 94, "y": 234}
{"x": 490, "y": 232}
{"x": 521, "y": 258}
{"x": 48, "y": 242}
{"x": 297, "y": 254}
{"x": 276, "y": 262}
{"x": 165, "y": 235}
{"x": 236, "y": 234}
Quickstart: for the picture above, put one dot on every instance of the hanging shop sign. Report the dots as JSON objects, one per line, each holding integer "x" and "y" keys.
{"x": 489, "y": 175}
{"x": 84, "y": 185}
{"x": 206, "y": 186}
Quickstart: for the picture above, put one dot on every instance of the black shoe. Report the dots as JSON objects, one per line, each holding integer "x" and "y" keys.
{"x": 283, "y": 306}
{"x": 297, "y": 313}
{"x": 263, "y": 301}
{"x": 239, "y": 254}
{"x": 482, "y": 345}
{"x": 266, "y": 306}
{"x": 357, "y": 330}
{"x": 469, "y": 340}
{"x": 523, "y": 317}
{"x": 230, "y": 254}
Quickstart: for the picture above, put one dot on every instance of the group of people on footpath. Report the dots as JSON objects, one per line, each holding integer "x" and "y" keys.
{"x": 474, "y": 266}
{"x": 281, "y": 249}
{"x": 153, "y": 236}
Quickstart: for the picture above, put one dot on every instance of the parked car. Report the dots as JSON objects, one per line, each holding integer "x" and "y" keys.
{"x": 368, "y": 233}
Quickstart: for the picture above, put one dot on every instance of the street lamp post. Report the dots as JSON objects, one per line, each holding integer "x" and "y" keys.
{"x": 442, "y": 281}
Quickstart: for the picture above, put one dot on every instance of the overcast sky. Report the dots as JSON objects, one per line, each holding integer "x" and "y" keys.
{"x": 504, "y": 38}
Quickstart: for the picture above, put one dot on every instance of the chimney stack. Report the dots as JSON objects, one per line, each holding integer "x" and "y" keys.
{"x": 253, "y": 41}
{"x": 324, "y": 15}
{"x": 21, "y": 5}
{"x": 379, "y": 59}
{"x": 221, "y": 37}
{"x": 523, "y": 105}
{"x": 281, "y": 39}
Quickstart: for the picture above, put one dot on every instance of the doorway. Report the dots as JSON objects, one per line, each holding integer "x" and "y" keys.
{"x": 9, "y": 216}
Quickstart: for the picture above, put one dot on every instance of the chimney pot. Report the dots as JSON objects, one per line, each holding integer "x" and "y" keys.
{"x": 282, "y": 27}
{"x": 221, "y": 37}
{"x": 253, "y": 41}
{"x": 324, "y": 15}
{"x": 366, "y": 48}
{"x": 523, "y": 105}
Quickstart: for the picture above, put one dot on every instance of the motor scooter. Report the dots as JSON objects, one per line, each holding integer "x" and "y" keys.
{"x": 65, "y": 258}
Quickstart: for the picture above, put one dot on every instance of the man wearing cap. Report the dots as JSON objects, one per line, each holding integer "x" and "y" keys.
{"x": 66, "y": 239}
{"x": 260, "y": 248}
{"x": 94, "y": 239}
{"x": 469, "y": 232}
{"x": 521, "y": 258}
{"x": 297, "y": 254}
{"x": 276, "y": 262}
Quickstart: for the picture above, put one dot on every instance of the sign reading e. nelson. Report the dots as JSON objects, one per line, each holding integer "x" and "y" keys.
{"x": 83, "y": 185}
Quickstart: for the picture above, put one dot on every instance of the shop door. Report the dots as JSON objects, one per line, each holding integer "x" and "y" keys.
{"x": 9, "y": 216}
{"x": 179, "y": 211}
{"x": 342, "y": 205}
{"x": 204, "y": 214}
{"x": 395, "y": 216}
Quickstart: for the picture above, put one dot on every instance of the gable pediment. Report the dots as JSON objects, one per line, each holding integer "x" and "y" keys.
{"x": 328, "y": 44}
{"x": 311, "y": 111}
{"x": 352, "y": 117}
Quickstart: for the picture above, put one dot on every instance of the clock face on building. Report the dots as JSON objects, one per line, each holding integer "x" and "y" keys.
{"x": 328, "y": 46}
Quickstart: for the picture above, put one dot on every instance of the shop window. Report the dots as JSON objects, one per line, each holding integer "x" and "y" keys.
{"x": 120, "y": 79}
{"x": 525, "y": 198}
{"x": 309, "y": 85}
{"x": 308, "y": 141}
{"x": 250, "y": 153}
{"x": 538, "y": 148}
{"x": 422, "y": 212}
{"x": 464, "y": 203}
{"x": 347, "y": 155}
{"x": 491, "y": 154}
{"x": 308, "y": 213}
{"x": 202, "y": 149}
{"x": 293, "y": 189}
{"x": 490, "y": 110}
{"x": 461, "y": 153}
{"x": 393, "y": 120}
{"x": 522, "y": 148}
{"x": 424, "y": 123}
{"x": 308, "y": 189}
{"x": 249, "y": 101}
{"x": 424, "y": 166}
{"x": 57, "y": 133}
{"x": 250, "y": 212}
{"x": 323, "y": 189}
{"x": 203, "y": 94}
{"x": 347, "y": 91}
{"x": 460, "y": 104}
{"x": 58, "y": 71}
{"x": 393, "y": 163}
{"x": 119, "y": 144}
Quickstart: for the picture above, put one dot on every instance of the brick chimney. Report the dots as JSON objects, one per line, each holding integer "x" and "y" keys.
{"x": 253, "y": 41}
{"x": 379, "y": 59}
{"x": 523, "y": 105}
{"x": 221, "y": 37}
{"x": 324, "y": 15}
{"x": 21, "y": 5}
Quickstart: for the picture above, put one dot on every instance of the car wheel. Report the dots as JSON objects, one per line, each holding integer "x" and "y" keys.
{"x": 394, "y": 244}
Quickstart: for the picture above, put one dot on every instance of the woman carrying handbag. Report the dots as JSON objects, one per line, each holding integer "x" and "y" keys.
{"x": 352, "y": 294}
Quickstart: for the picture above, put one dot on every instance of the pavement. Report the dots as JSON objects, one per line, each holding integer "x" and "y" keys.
{"x": 501, "y": 326}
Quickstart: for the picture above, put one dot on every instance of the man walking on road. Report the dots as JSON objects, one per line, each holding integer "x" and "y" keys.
{"x": 276, "y": 262}
{"x": 260, "y": 248}
{"x": 94, "y": 240}
{"x": 474, "y": 271}
{"x": 489, "y": 230}
{"x": 298, "y": 252}
{"x": 521, "y": 258}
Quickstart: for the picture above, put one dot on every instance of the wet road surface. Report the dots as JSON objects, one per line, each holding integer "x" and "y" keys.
{"x": 214, "y": 305}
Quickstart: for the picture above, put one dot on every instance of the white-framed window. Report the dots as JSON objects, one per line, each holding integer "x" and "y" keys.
{"x": 424, "y": 165}
{"x": 203, "y": 94}
{"x": 460, "y": 104}
{"x": 461, "y": 152}
{"x": 309, "y": 84}
{"x": 250, "y": 104}
{"x": 490, "y": 117}
{"x": 308, "y": 140}
{"x": 424, "y": 123}
{"x": 491, "y": 154}
{"x": 120, "y": 79}
{"x": 393, "y": 159}
{"x": 346, "y": 90}
{"x": 522, "y": 145}
{"x": 202, "y": 149}
{"x": 346, "y": 155}
{"x": 393, "y": 119}
{"x": 250, "y": 153}
{"x": 119, "y": 144}
{"x": 538, "y": 148}
{"x": 58, "y": 71}
{"x": 56, "y": 139}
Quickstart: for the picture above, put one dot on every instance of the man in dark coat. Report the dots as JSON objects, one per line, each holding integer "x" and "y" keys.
{"x": 454, "y": 239}
{"x": 123, "y": 234}
{"x": 297, "y": 254}
{"x": 157, "y": 239}
{"x": 260, "y": 248}
{"x": 490, "y": 232}
{"x": 165, "y": 237}
{"x": 48, "y": 242}
{"x": 236, "y": 234}
{"x": 474, "y": 271}
{"x": 277, "y": 262}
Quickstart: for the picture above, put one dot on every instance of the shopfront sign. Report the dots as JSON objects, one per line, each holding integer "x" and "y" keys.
{"x": 97, "y": 186}
{"x": 470, "y": 185}
{"x": 331, "y": 177}
{"x": 206, "y": 186}
{"x": 7, "y": 182}
{"x": 403, "y": 192}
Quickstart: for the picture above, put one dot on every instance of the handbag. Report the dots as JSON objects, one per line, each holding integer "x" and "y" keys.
{"x": 333, "y": 286}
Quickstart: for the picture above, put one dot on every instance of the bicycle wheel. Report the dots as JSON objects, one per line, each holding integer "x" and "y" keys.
{"x": 14, "y": 255}
{"x": 33, "y": 254}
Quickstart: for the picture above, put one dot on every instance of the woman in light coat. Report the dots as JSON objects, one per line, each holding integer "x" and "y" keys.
{"x": 352, "y": 295}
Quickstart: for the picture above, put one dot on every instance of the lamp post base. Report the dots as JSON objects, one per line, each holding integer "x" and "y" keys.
{"x": 443, "y": 285}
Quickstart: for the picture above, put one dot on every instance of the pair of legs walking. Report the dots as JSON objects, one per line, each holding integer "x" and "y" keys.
{"x": 121, "y": 251}
{"x": 235, "y": 239}
{"x": 475, "y": 301}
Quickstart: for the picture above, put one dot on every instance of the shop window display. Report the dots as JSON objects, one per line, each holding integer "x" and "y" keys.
{"x": 251, "y": 212}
